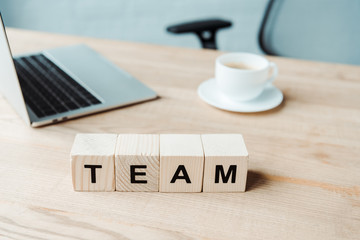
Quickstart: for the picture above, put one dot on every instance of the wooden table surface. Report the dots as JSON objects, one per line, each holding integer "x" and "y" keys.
{"x": 304, "y": 167}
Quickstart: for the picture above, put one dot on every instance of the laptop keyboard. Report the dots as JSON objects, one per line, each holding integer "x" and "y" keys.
{"x": 47, "y": 89}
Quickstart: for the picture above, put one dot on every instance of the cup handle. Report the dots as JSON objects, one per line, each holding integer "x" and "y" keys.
{"x": 274, "y": 74}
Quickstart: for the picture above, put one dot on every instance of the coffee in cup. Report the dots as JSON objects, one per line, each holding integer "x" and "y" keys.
{"x": 240, "y": 65}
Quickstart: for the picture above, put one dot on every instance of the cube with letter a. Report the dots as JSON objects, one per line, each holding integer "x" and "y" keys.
{"x": 181, "y": 163}
{"x": 226, "y": 163}
{"x": 92, "y": 162}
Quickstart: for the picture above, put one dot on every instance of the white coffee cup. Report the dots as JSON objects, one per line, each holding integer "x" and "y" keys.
{"x": 245, "y": 81}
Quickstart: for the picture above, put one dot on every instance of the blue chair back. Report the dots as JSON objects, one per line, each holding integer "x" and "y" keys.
{"x": 319, "y": 30}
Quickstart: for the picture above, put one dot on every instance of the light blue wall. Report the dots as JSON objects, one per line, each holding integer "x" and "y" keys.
{"x": 138, "y": 20}
{"x": 324, "y": 30}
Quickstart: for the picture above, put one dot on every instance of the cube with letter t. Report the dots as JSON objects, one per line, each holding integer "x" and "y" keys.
{"x": 181, "y": 163}
{"x": 226, "y": 163}
{"x": 92, "y": 162}
{"x": 137, "y": 163}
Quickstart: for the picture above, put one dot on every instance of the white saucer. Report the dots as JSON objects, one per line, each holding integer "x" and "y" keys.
{"x": 270, "y": 98}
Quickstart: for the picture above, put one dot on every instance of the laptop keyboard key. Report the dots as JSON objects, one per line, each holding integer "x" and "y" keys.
{"x": 47, "y": 89}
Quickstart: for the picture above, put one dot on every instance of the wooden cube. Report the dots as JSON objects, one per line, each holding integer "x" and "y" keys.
{"x": 226, "y": 163}
{"x": 92, "y": 162}
{"x": 181, "y": 163}
{"x": 137, "y": 163}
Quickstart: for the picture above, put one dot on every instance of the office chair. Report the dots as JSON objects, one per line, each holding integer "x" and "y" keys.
{"x": 205, "y": 30}
{"x": 319, "y": 30}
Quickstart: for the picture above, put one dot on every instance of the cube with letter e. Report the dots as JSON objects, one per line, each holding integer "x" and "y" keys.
{"x": 137, "y": 163}
{"x": 226, "y": 163}
{"x": 92, "y": 162}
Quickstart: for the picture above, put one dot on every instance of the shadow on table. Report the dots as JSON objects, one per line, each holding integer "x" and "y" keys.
{"x": 255, "y": 179}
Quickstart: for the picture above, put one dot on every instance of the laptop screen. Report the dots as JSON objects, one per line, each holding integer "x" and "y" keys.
{"x": 9, "y": 83}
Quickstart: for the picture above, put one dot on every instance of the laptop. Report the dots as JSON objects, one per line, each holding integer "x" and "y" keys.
{"x": 63, "y": 83}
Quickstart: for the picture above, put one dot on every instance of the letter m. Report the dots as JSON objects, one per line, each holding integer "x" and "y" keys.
{"x": 219, "y": 169}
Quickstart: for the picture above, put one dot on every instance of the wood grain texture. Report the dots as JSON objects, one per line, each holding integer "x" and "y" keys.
{"x": 137, "y": 150}
{"x": 303, "y": 179}
{"x": 226, "y": 157}
{"x": 181, "y": 155}
{"x": 92, "y": 162}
